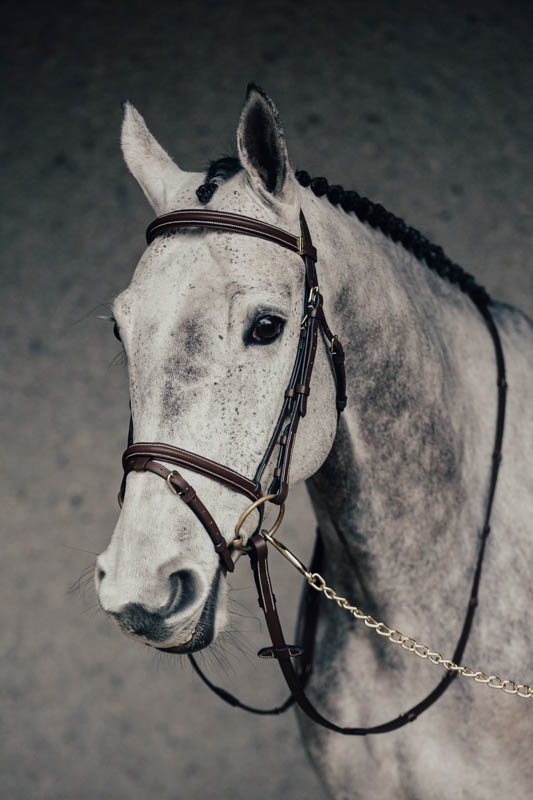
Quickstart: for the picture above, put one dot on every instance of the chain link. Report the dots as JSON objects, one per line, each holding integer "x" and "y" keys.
{"x": 317, "y": 582}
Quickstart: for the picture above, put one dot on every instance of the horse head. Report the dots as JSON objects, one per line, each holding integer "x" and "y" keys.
{"x": 210, "y": 325}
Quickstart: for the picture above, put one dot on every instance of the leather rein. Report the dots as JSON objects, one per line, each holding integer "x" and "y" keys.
{"x": 147, "y": 457}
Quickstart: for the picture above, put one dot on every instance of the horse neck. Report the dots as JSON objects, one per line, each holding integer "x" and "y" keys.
{"x": 400, "y": 498}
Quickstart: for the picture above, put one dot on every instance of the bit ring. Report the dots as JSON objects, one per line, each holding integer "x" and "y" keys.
{"x": 238, "y": 542}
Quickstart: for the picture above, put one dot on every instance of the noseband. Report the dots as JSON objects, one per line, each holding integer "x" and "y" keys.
{"x": 147, "y": 457}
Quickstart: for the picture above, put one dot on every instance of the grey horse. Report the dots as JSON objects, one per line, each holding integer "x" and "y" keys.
{"x": 399, "y": 485}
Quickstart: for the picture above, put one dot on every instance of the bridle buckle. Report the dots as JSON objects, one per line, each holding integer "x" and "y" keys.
{"x": 171, "y": 486}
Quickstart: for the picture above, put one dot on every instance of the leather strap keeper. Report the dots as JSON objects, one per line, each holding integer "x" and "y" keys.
{"x": 290, "y": 651}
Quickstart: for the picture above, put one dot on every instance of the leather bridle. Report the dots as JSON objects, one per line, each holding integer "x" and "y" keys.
{"x": 147, "y": 457}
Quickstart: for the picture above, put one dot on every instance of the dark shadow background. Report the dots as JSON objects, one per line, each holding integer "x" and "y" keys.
{"x": 424, "y": 107}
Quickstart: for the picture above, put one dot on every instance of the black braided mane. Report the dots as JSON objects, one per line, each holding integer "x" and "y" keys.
{"x": 373, "y": 214}
{"x": 218, "y": 171}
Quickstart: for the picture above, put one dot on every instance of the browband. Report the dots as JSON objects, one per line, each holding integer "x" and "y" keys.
{"x": 231, "y": 223}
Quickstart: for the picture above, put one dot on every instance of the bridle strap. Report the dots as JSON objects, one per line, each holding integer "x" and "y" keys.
{"x": 231, "y": 223}
{"x": 146, "y": 462}
{"x": 308, "y": 620}
{"x": 145, "y": 457}
{"x": 203, "y": 466}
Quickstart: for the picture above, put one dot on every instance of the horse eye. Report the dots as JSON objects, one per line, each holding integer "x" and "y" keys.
{"x": 266, "y": 329}
{"x": 116, "y": 332}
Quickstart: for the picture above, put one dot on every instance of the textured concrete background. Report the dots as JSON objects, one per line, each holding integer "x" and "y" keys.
{"x": 425, "y": 107}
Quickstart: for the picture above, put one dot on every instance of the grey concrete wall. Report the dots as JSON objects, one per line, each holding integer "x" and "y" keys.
{"x": 425, "y": 107}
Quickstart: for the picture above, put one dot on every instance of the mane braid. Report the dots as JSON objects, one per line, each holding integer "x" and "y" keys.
{"x": 395, "y": 228}
{"x": 373, "y": 214}
{"x": 218, "y": 171}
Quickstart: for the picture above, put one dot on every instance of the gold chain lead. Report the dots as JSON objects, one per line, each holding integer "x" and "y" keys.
{"x": 317, "y": 582}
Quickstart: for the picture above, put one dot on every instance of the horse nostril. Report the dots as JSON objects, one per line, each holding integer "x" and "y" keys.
{"x": 100, "y": 575}
{"x": 183, "y": 590}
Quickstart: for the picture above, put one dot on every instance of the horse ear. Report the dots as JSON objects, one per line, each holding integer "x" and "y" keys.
{"x": 262, "y": 148}
{"x": 153, "y": 169}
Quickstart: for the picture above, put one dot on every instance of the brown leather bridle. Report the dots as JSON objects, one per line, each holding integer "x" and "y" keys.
{"x": 147, "y": 457}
